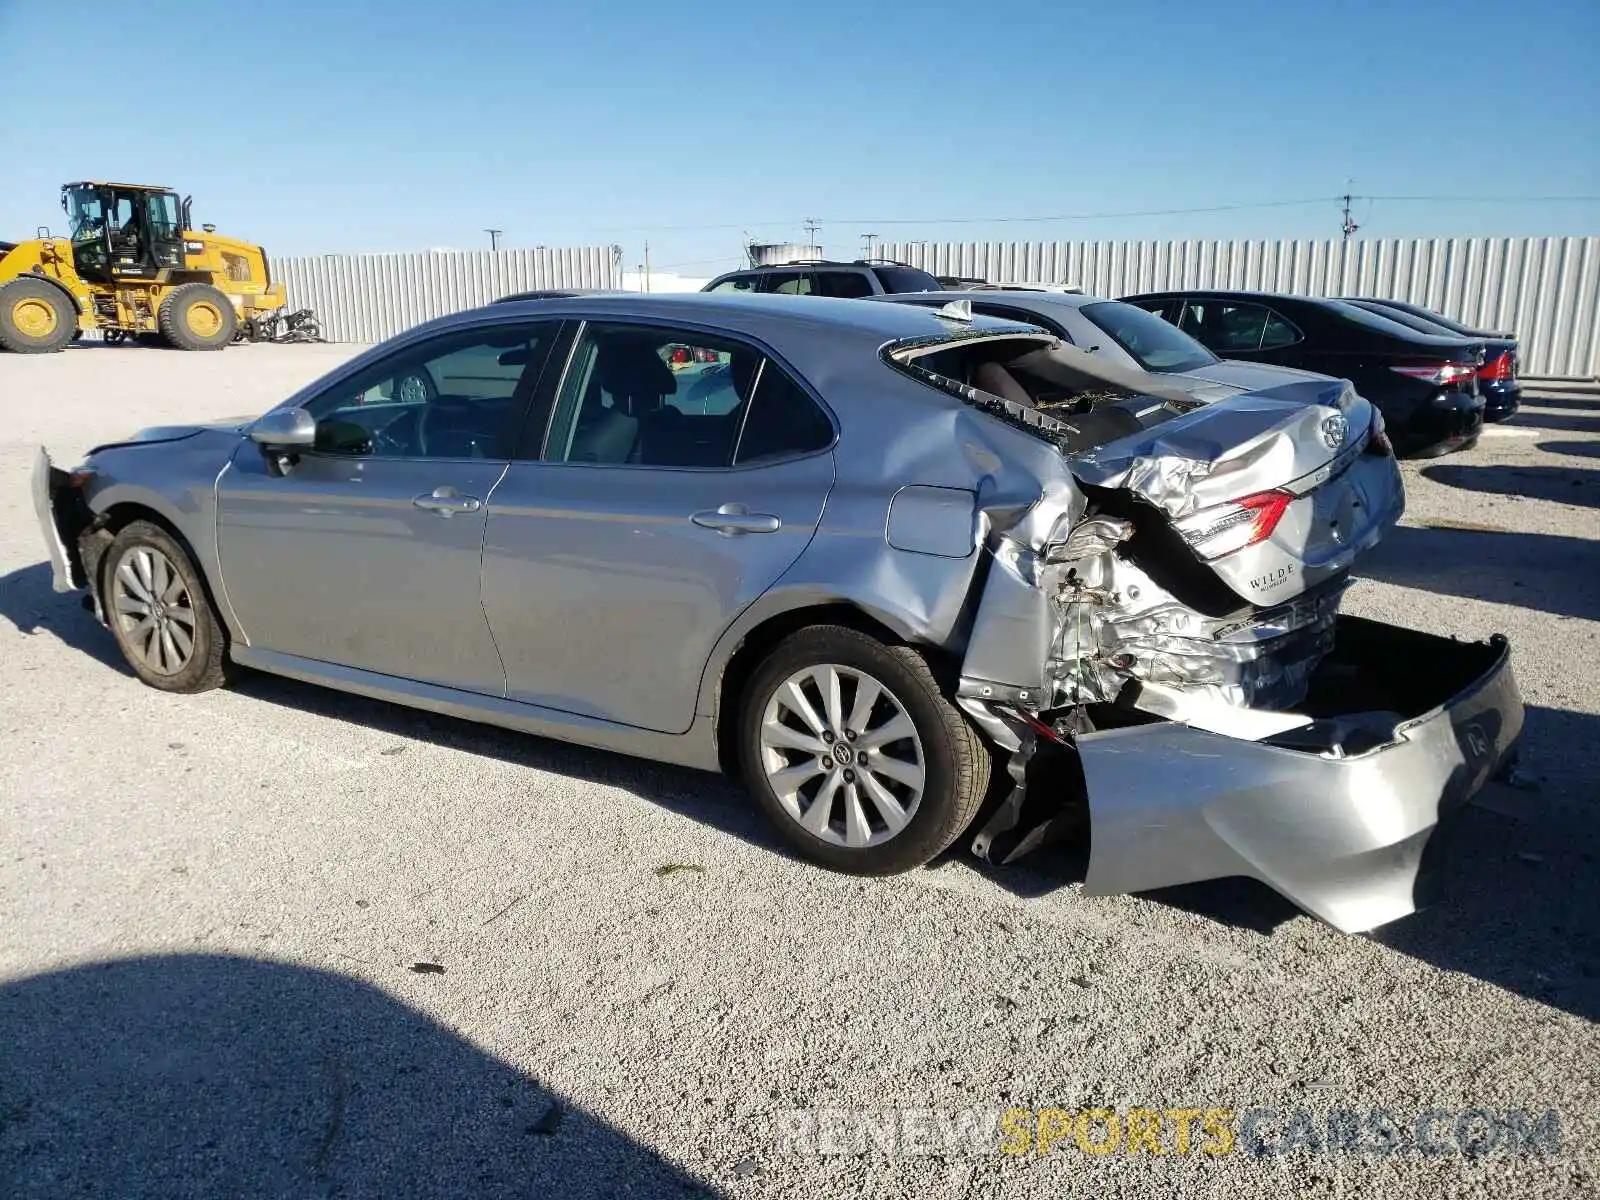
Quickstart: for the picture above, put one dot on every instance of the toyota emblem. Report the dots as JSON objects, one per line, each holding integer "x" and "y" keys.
{"x": 1334, "y": 429}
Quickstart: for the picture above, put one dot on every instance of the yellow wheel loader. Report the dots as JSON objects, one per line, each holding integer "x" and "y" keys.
{"x": 131, "y": 266}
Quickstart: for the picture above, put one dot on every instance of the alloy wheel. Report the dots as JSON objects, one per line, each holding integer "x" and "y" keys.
{"x": 153, "y": 609}
{"x": 842, "y": 756}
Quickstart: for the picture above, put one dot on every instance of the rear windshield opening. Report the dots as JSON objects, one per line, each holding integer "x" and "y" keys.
{"x": 1039, "y": 386}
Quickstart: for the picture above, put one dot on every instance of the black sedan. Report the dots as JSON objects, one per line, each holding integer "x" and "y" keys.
{"x": 1497, "y": 378}
{"x": 1425, "y": 386}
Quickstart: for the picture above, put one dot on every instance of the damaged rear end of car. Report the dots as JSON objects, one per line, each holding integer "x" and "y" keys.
{"x": 1157, "y": 645}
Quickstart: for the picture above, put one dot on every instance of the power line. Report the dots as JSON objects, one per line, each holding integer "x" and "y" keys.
{"x": 1492, "y": 199}
{"x": 1094, "y": 216}
{"x": 812, "y": 223}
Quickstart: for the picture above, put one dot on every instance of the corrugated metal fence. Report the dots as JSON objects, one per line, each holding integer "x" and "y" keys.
{"x": 1545, "y": 289}
{"x": 369, "y": 297}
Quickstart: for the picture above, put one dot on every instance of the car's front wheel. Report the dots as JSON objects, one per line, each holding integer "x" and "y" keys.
{"x": 856, "y": 753}
{"x": 160, "y": 613}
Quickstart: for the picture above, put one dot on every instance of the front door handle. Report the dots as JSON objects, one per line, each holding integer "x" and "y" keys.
{"x": 447, "y": 502}
{"x": 733, "y": 519}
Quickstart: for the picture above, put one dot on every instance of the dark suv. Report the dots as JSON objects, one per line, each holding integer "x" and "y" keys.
{"x": 846, "y": 280}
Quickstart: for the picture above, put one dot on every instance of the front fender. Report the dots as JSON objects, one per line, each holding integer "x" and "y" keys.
{"x": 179, "y": 487}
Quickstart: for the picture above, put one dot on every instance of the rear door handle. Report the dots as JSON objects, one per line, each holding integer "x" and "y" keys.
{"x": 733, "y": 519}
{"x": 447, "y": 502}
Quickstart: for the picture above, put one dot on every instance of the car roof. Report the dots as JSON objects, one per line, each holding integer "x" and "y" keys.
{"x": 806, "y": 262}
{"x": 1234, "y": 294}
{"x": 750, "y": 311}
{"x": 132, "y": 187}
{"x": 1015, "y": 297}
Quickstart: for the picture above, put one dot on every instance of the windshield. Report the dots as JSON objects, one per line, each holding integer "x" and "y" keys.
{"x": 1154, "y": 344}
{"x": 86, "y": 214}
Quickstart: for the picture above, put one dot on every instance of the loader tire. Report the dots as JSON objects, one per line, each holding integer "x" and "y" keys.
{"x": 197, "y": 317}
{"x": 35, "y": 317}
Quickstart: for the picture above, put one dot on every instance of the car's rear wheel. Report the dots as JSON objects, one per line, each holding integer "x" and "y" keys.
{"x": 160, "y": 612}
{"x": 857, "y": 755}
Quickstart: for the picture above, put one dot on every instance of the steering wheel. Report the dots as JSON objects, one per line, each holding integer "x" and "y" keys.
{"x": 386, "y": 445}
{"x": 433, "y": 423}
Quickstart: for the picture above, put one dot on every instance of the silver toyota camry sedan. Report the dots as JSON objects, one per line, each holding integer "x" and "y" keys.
{"x": 918, "y": 575}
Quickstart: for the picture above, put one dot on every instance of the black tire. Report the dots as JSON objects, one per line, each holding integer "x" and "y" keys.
{"x": 197, "y": 316}
{"x": 207, "y": 665}
{"x": 36, "y": 317}
{"x": 956, "y": 762}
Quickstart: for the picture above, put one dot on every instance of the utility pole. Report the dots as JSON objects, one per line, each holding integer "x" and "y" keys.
{"x": 812, "y": 226}
{"x": 647, "y": 266}
{"x": 866, "y": 246}
{"x": 494, "y": 238}
{"x": 1346, "y": 225}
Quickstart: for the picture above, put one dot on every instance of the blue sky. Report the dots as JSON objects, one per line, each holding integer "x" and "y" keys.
{"x": 360, "y": 126}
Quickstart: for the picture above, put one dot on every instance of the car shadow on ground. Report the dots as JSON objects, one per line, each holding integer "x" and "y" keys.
{"x": 1566, "y": 420}
{"x": 1590, "y": 403}
{"x": 1573, "y": 449}
{"x": 1514, "y": 894}
{"x": 1540, "y": 571}
{"x": 208, "y": 1075}
{"x": 30, "y": 602}
{"x": 1519, "y": 876}
{"x": 1564, "y": 485}
{"x": 1520, "y": 896}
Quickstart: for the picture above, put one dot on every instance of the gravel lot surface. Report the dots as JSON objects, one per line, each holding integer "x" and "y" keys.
{"x": 212, "y": 906}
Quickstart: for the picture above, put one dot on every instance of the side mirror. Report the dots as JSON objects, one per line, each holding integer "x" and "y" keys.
{"x": 285, "y": 428}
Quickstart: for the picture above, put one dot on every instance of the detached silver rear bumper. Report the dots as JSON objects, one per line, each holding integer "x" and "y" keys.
{"x": 1335, "y": 826}
{"x": 47, "y": 480}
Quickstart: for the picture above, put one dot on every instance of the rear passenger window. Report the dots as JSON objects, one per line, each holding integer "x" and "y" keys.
{"x": 739, "y": 283}
{"x": 651, "y": 397}
{"x": 906, "y": 279}
{"x": 846, "y": 285}
{"x": 1278, "y": 333}
{"x": 789, "y": 283}
{"x": 783, "y": 421}
{"x": 1225, "y": 327}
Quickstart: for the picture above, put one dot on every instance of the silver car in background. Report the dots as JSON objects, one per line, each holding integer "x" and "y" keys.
{"x": 1120, "y": 333}
{"x": 862, "y": 553}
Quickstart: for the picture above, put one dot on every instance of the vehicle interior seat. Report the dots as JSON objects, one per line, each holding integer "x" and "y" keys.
{"x": 629, "y": 379}
{"x": 997, "y": 381}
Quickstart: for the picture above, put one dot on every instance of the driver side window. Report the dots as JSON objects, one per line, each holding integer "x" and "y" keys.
{"x": 457, "y": 396}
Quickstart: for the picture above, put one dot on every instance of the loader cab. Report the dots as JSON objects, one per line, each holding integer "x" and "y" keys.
{"x": 124, "y": 231}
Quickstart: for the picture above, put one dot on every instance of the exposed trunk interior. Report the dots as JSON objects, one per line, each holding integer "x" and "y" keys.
{"x": 1379, "y": 676}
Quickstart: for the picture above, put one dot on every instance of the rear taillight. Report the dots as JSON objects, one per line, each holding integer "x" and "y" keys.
{"x": 1497, "y": 369}
{"x": 681, "y": 356}
{"x": 1227, "y": 528}
{"x": 1441, "y": 374}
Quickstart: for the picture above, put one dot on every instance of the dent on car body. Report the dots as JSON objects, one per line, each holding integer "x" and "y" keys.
{"x": 1198, "y": 783}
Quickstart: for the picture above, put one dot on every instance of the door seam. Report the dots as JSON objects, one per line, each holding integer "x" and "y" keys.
{"x": 483, "y": 544}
